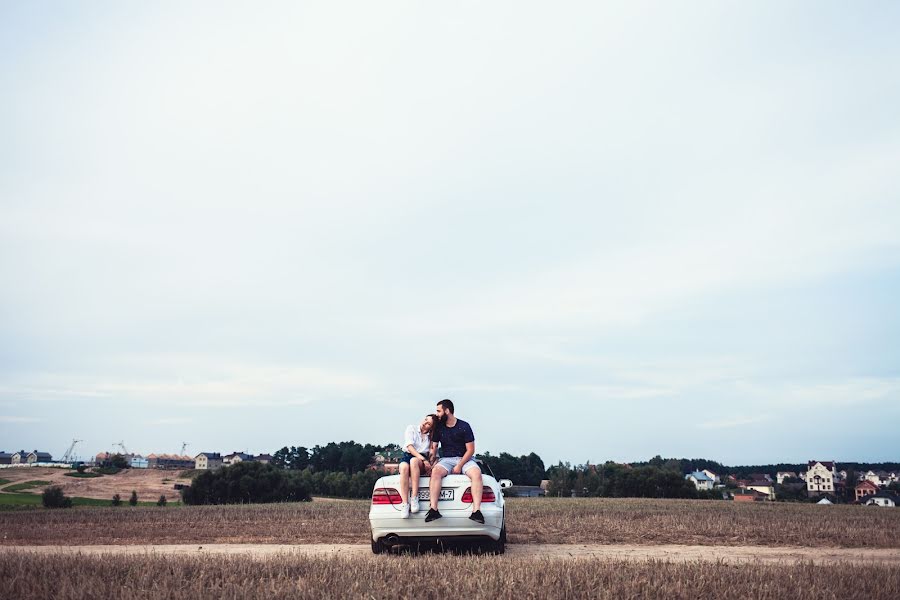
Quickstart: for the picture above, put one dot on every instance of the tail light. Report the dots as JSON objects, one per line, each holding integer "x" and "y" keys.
{"x": 487, "y": 495}
{"x": 386, "y": 496}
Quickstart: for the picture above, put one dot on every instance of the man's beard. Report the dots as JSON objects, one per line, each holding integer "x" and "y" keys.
{"x": 443, "y": 418}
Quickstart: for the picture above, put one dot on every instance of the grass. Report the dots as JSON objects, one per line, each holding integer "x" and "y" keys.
{"x": 30, "y": 501}
{"x": 4, "y": 481}
{"x": 538, "y": 520}
{"x": 161, "y": 577}
{"x": 25, "y": 485}
{"x": 83, "y": 475}
{"x": 189, "y": 474}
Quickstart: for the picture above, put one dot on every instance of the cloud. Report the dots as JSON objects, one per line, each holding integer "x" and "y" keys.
{"x": 15, "y": 419}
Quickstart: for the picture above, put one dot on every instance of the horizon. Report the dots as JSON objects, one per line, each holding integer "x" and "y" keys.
{"x": 602, "y": 230}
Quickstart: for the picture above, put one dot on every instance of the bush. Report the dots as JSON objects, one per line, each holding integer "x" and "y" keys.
{"x": 108, "y": 470}
{"x": 81, "y": 468}
{"x": 53, "y": 497}
{"x": 117, "y": 500}
{"x": 245, "y": 482}
{"x": 133, "y": 500}
{"x": 161, "y": 501}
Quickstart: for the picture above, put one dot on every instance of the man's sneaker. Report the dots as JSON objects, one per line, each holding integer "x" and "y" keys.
{"x": 404, "y": 511}
{"x": 477, "y": 516}
{"x": 432, "y": 515}
{"x": 414, "y": 504}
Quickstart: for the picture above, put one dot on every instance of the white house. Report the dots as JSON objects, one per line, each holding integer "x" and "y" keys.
{"x": 700, "y": 480}
{"x": 820, "y": 476}
{"x": 879, "y": 478}
{"x": 780, "y": 476}
{"x": 883, "y": 499}
{"x": 711, "y": 475}
{"x": 763, "y": 487}
{"x": 235, "y": 457}
{"x": 208, "y": 460}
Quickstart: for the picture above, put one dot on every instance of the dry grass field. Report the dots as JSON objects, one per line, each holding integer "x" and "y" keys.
{"x": 547, "y": 520}
{"x": 29, "y": 577}
{"x": 150, "y": 484}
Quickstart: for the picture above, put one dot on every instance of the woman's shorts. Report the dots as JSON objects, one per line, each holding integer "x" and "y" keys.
{"x": 407, "y": 457}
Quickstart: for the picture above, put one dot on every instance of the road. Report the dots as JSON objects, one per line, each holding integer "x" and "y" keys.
{"x": 673, "y": 553}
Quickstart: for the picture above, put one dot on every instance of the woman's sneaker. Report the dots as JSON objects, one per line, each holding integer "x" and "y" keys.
{"x": 477, "y": 516}
{"x": 404, "y": 511}
{"x": 432, "y": 515}
{"x": 414, "y": 504}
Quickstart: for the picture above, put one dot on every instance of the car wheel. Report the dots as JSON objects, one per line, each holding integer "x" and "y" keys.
{"x": 378, "y": 547}
{"x": 499, "y": 546}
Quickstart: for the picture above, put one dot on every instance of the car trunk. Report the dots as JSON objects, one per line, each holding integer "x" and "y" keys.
{"x": 453, "y": 487}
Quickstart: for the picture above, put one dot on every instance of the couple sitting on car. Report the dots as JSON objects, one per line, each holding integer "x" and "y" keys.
{"x": 420, "y": 458}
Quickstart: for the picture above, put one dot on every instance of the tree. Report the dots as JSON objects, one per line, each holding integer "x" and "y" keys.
{"x": 246, "y": 482}
{"x": 53, "y": 497}
{"x": 133, "y": 500}
{"x": 116, "y": 500}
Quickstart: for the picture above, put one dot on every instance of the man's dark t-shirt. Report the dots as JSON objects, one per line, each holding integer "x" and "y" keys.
{"x": 454, "y": 439}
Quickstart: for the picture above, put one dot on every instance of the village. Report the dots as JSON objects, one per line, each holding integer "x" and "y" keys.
{"x": 822, "y": 481}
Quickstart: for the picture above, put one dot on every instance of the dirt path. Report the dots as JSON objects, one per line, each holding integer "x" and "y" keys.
{"x": 672, "y": 553}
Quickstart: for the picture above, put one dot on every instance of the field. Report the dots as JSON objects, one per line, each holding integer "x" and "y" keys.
{"x": 150, "y": 484}
{"x": 158, "y": 577}
{"x": 530, "y": 521}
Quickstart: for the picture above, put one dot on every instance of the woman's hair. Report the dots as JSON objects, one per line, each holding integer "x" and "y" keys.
{"x": 435, "y": 423}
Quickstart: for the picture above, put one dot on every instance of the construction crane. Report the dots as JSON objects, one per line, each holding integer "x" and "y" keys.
{"x": 68, "y": 457}
{"x": 184, "y": 446}
{"x": 122, "y": 446}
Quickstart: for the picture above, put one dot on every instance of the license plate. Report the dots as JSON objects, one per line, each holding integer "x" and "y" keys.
{"x": 446, "y": 494}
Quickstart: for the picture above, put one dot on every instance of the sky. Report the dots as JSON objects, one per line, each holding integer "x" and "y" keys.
{"x": 606, "y": 230}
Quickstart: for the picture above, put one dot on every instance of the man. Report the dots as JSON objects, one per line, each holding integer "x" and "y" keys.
{"x": 457, "y": 449}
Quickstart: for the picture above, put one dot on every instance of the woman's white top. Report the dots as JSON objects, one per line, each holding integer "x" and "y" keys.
{"x": 417, "y": 439}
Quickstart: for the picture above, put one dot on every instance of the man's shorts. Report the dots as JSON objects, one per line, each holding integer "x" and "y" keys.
{"x": 451, "y": 461}
{"x": 407, "y": 457}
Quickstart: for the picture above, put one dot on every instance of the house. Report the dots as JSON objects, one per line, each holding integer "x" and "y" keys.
{"x": 19, "y": 458}
{"x": 747, "y": 495}
{"x": 763, "y": 486}
{"x": 825, "y": 501}
{"x": 38, "y": 457}
{"x": 820, "y": 476}
{"x": 866, "y": 488}
{"x": 759, "y": 477}
{"x": 879, "y": 478}
{"x": 387, "y": 461}
{"x": 5, "y": 458}
{"x": 700, "y": 480}
{"x": 712, "y": 475}
{"x": 883, "y": 499}
{"x": 207, "y": 461}
{"x": 263, "y": 458}
{"x": 236, "y": 457}
{"x": 780, "y": 476}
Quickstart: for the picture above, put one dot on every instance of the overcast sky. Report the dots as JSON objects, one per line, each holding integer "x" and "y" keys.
{"x": 605, "y": 230}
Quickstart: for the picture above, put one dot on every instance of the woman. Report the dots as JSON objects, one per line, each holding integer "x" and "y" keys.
{"x": 416, "y": 444}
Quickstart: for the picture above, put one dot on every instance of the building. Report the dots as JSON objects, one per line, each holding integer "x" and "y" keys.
{"x": 19, "y": 458}
{"x": 866, "y": 488}
{"x": 387, "y": 461}
{"x": 763, "y": 486}
{"x": 263, "y": 458}
{"x": 236, "y": 457}
{"x": 700, "y": 480}
{"x": 208, "y": 461}
{"x": 170, "y": 461}
{"x": 748, "y": 495}
{"x": 38, "y": 457}
{"x": 883, "y": 499}
{"x": 715, "y": 478}
{"x": 136, "y": 461}
{"x": 780, "y": 476}
{"x": 820, "y": 476}
{"x": 5, "y": 458}
{"x": 524, "y": 491}
{"x": 879, "y": 478}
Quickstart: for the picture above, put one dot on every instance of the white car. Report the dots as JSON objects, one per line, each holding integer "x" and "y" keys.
{"x": 389, "y": 528}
